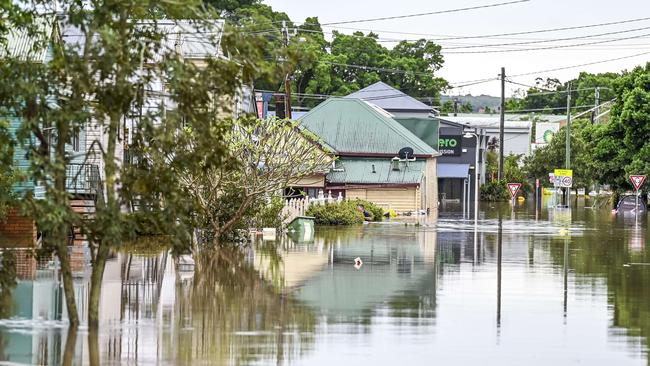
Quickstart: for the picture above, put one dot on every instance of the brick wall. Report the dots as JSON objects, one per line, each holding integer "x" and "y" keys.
{"x": 17, "y": 231}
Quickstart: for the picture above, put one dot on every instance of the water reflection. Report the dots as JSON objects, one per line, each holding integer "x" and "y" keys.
{"x": 570, "y": 286}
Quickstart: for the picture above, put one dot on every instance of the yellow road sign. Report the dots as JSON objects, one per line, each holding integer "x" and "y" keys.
{"x": 563, "y": 173}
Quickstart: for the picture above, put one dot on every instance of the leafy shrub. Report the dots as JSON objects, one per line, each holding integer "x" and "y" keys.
{"x": 269, "y": 214}
{"x": 337, "y": 213}
{"x": 496, "y": 190}
{"x": 261, "y": 213}
{"x": 376, "y": 211}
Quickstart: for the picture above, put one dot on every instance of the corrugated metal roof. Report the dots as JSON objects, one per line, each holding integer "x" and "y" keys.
{"x": 389, "y": 98}
{"x": 360, "y": 171}
{"x": 426, "y": 129}
{"x": 25, "y": 46}
{"x": 352, "y": 126}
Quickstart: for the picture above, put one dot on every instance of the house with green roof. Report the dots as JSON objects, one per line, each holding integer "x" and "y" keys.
{"x": 366, "y": 140}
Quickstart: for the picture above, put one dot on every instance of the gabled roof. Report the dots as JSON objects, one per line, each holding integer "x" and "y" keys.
{"x": 389, "y": 98}
{"x": 353, "y": 127}
{"x": 360, "y": 171}
{"x": 426, "y": 129}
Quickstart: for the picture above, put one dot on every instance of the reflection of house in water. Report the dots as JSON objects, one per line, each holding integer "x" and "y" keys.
{"x": 291, "y": 265}
{"x": 131, "y": 293}
{"x": 39, "y": 316}
{"x": 396, "y": 262}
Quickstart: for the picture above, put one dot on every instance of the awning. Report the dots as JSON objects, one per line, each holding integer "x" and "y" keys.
{"x": 453, "y": 170}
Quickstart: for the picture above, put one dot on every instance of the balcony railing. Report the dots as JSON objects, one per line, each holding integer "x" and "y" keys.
{"x": 84, "y": 179}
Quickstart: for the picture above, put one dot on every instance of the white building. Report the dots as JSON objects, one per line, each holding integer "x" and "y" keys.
{"x": 517, "y": 133}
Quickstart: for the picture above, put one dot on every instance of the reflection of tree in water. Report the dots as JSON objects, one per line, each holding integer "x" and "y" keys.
{"x": 7, "y": 284}
{"x": 230, "y": 315}
{"x": 627, "y": 286}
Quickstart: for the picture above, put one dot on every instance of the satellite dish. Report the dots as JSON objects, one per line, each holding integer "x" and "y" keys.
{"x": 406, "y": 153}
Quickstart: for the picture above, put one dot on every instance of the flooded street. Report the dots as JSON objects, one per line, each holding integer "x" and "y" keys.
{"x": 552, "y": 287}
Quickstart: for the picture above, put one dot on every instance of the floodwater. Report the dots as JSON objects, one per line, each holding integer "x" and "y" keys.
{"x": 521, "y": 288}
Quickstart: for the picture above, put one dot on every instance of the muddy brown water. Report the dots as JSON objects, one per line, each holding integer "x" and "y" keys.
{"x": 519, "y": 288}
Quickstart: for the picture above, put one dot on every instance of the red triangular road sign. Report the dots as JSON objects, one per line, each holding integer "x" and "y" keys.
{"x": 637, "y": 181}
{"x": 513, "y": 188}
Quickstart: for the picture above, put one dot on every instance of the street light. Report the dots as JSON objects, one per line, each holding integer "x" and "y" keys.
{"x": 469, "y": 135}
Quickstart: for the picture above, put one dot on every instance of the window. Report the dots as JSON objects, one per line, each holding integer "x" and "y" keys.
{"x": 75, "y": 141}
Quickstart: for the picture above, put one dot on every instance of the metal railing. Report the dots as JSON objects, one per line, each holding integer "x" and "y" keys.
{"x": 84, "y": 179}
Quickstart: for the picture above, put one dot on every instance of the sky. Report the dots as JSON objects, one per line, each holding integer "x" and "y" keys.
{"x": 532, "y": 15}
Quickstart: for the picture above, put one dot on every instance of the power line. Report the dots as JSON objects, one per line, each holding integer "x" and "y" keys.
{"x": 563, "y": 91}
{"x": 428, "y": 13}
{"x": 549, "y": 47}
{"x": 379, "y": 69}
{"x": 552, "y": 40}
{"x": 456, "y": 37}
{"x": 548, "y": 109}
{"x": 530, "y": 86}
{"x": 580, "y": 65}
{"x": 475, "y": 82}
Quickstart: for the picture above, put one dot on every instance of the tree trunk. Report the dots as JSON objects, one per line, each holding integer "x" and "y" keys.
{"x": 70, "y": 346}
{"x": 68, "y": 284}
{"x": 96, "y": 286}
{"x": 60, "y": 234}
{"x": 93, "y": 347}
{"x": 234, "y": 219}
{"x": 110, "y": 236}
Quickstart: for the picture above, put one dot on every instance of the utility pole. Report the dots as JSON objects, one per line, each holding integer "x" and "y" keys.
{"x": 568, "y": 128}
{"x": 597, "y": 103}
{"x": 287, "y": 78}
{"x": 455, "y": 107}
{"x": 502, "y": 121}
{"x": 567, "y": 192}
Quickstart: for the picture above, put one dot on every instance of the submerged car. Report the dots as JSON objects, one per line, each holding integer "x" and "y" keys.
{"x": 628, "y": 204}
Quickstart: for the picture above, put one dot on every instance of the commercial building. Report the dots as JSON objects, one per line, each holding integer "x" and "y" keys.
{"x": 517, "y": 132}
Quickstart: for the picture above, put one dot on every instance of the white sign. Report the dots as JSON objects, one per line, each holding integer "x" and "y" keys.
{"x": 514, "y": 189}
{"x": 358, "y": 263}
{"x": 565, "y": 182}
{"x": 544, "y": 132}
{"x": 637, "y": 181}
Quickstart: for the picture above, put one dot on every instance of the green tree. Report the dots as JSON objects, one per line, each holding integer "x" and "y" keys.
{"x": 228, "y": 8}
{"x": 100, "y": 81}
{"x": 447, "y": 107}
{"x": 622, "y": 147}
{"x": 552, "y": 156}
{"x": 587, "y": 83}
{"x": 264, "y": 158}
{"x": 8, "y": 174}
{"x": 467, "y": 108}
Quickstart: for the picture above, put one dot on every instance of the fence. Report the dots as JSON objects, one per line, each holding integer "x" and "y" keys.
{"x": 296, "y": 207}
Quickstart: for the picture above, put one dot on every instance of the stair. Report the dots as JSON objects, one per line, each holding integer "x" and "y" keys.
{"x": 86, "y": 208}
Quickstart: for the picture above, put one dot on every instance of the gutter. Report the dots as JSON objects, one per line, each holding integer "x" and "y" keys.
{"x": 383, "y": 155}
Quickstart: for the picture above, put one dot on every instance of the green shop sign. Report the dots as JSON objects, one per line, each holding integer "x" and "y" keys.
{"x": 450, "y": 145}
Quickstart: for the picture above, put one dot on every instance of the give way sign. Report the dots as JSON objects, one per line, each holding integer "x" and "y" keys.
{"x": 513, "y": 188}
{"x": 637, "y": 181}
